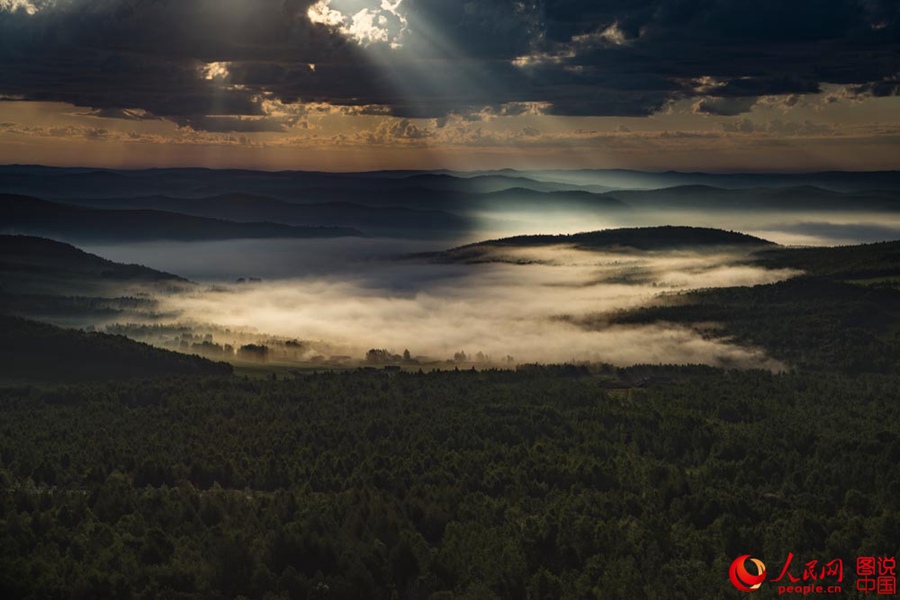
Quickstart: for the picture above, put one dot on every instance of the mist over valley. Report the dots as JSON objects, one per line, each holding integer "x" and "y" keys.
{"x": 438, "y": 268}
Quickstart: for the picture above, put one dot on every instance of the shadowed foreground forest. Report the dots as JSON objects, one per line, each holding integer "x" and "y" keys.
{"x": 548, "y": 482}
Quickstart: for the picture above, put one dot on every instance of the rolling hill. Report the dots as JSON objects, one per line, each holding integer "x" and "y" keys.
{"x": 380, "y": 220}
{"x": 632, "y": 238}
{"x": 22, "y": 252}
{"x": 32, "y": 351}
{"x": 34, "y": 265}
{"x": 24, "y": 214}
{"x": 51, "y": 280}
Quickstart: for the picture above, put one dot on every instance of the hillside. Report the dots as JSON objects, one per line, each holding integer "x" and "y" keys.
{"x": 53, "y": 281}
{"x": 22, "y": 252}
{"x": 631, "y": 238}
{"x": 32, "y": 351}
{"x": 32, "y": 265}
{"x": 842, "y": 315}
{"x": 878, "y": 262}
{"x": 24, "y": 214}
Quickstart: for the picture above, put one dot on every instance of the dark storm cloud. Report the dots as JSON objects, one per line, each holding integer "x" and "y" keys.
{"x": 887, "y": 87}
{"x": 585, "y": 57}
{"x": 726, "y": 107}
{"x": 149, "y": 55}
{"x": 228, "y": 124}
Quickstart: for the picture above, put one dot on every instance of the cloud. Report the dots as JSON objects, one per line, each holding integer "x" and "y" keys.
{"x": 124, "y": 114}
{"x": 779, "y": 127}
{"x": 226, "y": 124}
{"x": 889, "y": 86}
{"x": 384, "y": 23}
{"x": 183, "y": 136}
{"x": 26, "y": 6}
{"x": 188, "y": 60}
{"x": 726, "y": 107}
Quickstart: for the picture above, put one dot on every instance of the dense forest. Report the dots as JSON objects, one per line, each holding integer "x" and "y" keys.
{"x": 128, "y": 471}
{"x": 540, "y": 483}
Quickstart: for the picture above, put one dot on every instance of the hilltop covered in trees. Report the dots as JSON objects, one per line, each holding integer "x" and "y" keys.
{"x": 38, "y": 352}
{"x": 628, "y": 238}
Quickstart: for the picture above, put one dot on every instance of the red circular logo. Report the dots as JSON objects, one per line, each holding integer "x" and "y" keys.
{"x": 741, "y": 578}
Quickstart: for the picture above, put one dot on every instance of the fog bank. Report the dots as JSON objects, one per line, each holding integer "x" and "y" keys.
{"x": 519, "y": 310}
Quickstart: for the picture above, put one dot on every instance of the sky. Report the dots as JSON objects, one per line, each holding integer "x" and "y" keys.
{"x": 346, "y": 85}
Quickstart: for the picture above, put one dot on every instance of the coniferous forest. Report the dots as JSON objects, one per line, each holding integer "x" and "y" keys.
{"x": 540, "y": 483}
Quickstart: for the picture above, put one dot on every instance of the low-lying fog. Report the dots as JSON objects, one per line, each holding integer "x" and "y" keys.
{"x": 355, "y": 295}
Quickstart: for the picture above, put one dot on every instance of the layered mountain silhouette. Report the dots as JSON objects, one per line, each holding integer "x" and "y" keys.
{"x": 203, "y": 204}
{"x": 388, "y": 220}
{"x": 24, "y": 214}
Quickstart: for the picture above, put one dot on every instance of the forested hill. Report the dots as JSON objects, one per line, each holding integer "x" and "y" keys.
{"x": 639, "y": 238}
{"x": 879, "y": 260}
{"x": 840, "y": 316}
{"x": 37, "y": 274}
{"x": 22, "y": 253}
{"x": 32, "y": 351}
{"x": 630, "y": 238}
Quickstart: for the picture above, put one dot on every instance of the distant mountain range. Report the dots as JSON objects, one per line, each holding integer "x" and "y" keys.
{"x": 389, "y": 220}
{"x": 52, "y": 182}
{"x": 202, "y": 204}
{"x": 23, "y": 214}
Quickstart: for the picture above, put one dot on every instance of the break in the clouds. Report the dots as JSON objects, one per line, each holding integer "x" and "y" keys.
{"x": 214, "y": 64}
